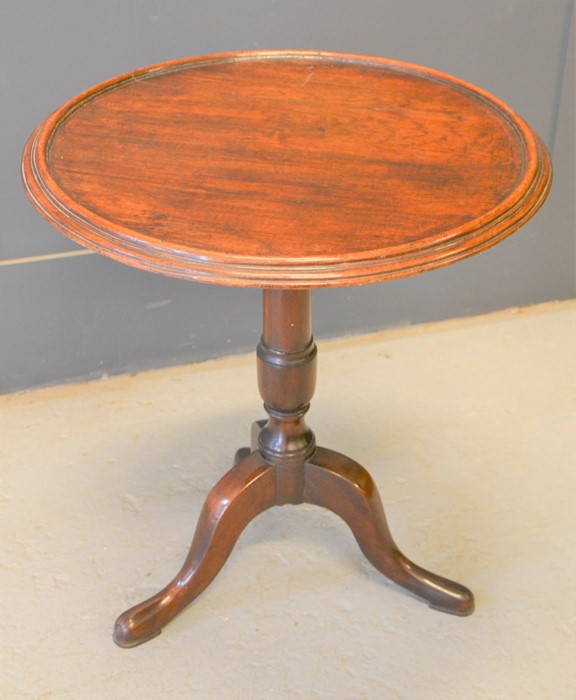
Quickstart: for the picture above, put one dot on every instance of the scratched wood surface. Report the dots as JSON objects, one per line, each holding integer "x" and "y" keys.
{"x": 286, "y": 169}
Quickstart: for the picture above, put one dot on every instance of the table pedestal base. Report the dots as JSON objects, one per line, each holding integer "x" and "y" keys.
{"x": 285, "y": 466}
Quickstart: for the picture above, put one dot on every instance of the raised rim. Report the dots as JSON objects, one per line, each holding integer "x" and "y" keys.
{"x": 189, "y": 262}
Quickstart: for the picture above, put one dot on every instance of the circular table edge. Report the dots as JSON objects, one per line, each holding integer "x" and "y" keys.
{"x": 129, "y": 247}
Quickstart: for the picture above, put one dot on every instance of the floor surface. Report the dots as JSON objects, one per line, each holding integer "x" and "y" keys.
{"x": 468, "y": 428}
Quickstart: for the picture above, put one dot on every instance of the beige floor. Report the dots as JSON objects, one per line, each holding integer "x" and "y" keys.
{"x": 468, "y": 428}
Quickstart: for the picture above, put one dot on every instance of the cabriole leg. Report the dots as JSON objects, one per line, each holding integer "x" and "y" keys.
{"x": 339, "y": 484}
{"x": 245, "y": 491}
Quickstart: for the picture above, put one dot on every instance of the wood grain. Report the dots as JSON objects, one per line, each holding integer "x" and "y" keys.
{"x": 286, "y": 169}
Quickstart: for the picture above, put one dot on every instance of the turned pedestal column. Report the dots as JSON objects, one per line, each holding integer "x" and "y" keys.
{"x": 286, "y": 467}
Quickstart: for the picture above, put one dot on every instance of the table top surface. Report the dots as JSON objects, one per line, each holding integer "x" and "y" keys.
{"x": 286, "y": 169}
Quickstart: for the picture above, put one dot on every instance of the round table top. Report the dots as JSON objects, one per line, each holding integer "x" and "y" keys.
{"x": 286, "y": 169}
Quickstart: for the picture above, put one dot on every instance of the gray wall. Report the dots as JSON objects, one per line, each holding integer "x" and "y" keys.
{"x": 65, "y": 316}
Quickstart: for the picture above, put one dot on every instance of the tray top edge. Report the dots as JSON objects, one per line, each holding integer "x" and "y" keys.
{"x": 40, "y": 183}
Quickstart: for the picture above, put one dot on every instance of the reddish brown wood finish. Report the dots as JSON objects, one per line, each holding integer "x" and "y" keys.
{"x": 330, "y": 480}
{"x": 244, "y": 492}
{"x": 285, "y": 466}
{"x": 286, "y": 169}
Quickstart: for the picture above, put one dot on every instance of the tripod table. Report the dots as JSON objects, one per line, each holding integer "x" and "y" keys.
{"x": 286, "y": 170}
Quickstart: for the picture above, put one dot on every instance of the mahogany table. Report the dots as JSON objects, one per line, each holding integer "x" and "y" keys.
{"x": 286, "y": 171}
